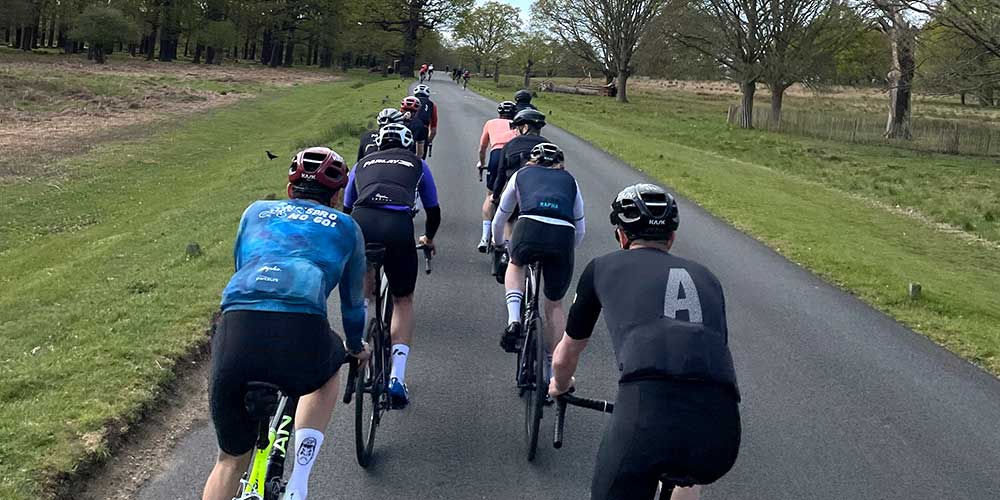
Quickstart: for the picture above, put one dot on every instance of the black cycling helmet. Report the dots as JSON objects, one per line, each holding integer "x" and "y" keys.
{"x": 507, "y": 109}
{"x": 522, "y": 95}
{"x": 546, "y": 154}
{"x": 645, "y": 211}
{"x": 394, "y": 135}
{"x": 531, "y": 117}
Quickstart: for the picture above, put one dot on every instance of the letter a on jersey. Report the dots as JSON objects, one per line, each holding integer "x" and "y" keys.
{"x": 681, "y": 295}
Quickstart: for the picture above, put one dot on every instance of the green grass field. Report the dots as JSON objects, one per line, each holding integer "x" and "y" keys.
{"x": 98, "y": 298}
{"x": 837, "y": 209}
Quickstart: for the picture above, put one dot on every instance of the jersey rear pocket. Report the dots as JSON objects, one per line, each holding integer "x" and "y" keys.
{"x": 293, "y": 281}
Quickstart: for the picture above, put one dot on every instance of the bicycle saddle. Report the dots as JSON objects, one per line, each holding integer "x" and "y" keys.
{"x": 679, "y": 482}
{"x": 261, "y": 399}
{"x": 375, "y": 252}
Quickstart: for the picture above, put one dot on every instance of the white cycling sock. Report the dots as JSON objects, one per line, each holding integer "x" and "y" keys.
{"x": 514, "y": 298}
{"x": 487, "y": 226}
{"x": 399, "y": 354}
{"x": 307, "y": 443}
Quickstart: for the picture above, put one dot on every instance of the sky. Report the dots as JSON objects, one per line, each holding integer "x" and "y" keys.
{"x": 524, "y": 5}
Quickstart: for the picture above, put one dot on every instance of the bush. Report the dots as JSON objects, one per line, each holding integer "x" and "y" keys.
{"x": 101, "y": 27}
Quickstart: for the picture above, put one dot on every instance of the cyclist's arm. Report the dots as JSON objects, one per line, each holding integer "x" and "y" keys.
{"x": 433, "y": 125}
{"x": 508, "y": 201}
{"x": 583, "y": 316}
{"x": 428, "y": 196}
{"x": 484, "y": 144}
{"x": 352, "y": 299}
{"x": 351, "y": 191}
{"x": 579, "y": 221}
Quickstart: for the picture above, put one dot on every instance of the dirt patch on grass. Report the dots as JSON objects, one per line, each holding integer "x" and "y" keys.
{"x": 52, "y": 109}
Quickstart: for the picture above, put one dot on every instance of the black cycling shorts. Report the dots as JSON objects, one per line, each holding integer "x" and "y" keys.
{"x": 491, "y": 168}
{"x": 420, "y": 133}
{"x": 685, "y": 429}
{"x": 394, "y": 229}
{"x": 296, "y": 352}
{"x": 549, "y": 244}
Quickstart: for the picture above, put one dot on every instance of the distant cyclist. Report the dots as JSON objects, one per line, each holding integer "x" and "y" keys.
{"x": 430, "y": 71}
{"x": 496, "y": 133}
{"x": 465, "y": 79}
{"x": 548, "y": 229}
{"x": 424, "y": 122}
{"x": 522, "y": 100}
{"x": 289, "y": 256}
{"x": 677, "y": 409}
{"x": 381, "y": 193}
{"x": 423, "y": 72}
{"x": 385, "y": 117}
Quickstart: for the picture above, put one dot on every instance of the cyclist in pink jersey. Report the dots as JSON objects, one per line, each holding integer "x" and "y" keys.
{"x": 496, "y": 133}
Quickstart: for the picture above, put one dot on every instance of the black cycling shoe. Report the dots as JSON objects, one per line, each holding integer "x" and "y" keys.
{"x": 511, "y": 336}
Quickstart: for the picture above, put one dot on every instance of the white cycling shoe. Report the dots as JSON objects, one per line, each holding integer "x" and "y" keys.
{"x": 484, "y": 244}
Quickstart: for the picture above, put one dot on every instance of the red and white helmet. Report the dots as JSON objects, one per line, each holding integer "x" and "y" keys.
{"x": 317, "y": 168}
{"x": 410, "y": 104}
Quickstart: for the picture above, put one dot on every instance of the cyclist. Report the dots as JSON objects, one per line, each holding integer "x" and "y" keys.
{"x": 667, "y": 320}
{"x": 465, "y": 79}
{"x": 424, "y": 122}
{"x": 515, "y": 153}
{"x": 430, "y": 71}
{"x": 289, "y": 256}
{"x": 496, "y": 133}
{"x": 522, "y": 98}
{"x": 384, "y": 117}
{"x": 381, "y": 193}
{"x": 423, "y": 72}
{"x": 549, "y": 228}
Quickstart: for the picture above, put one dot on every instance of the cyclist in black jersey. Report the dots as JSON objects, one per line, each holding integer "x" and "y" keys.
{"x": 550, "y": 226}
{"x": 425, "y": 121}
{"x": 667, "y": 320}
{"x": 522, "y": 100}
{"x": 385, "y": 117}
{"x": 516, "y": 152}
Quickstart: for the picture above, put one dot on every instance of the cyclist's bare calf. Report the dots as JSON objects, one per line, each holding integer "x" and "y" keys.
{"x": 225, "y": 476}
{"x": 691, "y": 493}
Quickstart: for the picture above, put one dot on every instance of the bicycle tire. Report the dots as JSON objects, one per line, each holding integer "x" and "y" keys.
{"x": 535, "y": 396}
{"x": 368, "y": 383}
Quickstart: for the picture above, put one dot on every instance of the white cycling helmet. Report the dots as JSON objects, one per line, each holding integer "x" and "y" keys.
{"x": 389, "y": 115}
{"x": 422, "y": 90}
{"x": 394, "y": 133}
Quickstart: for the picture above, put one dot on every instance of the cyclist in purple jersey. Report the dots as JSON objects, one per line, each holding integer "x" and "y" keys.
{"x": 382, "y": 191}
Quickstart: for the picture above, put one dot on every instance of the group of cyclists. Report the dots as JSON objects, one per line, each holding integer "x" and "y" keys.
{"x": 677, "y": 406}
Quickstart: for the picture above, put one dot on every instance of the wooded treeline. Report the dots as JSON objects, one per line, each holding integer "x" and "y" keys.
{"x": 275, "y": 32}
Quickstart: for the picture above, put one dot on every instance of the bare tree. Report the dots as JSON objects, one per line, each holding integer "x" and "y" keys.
{"x": 902, "y": 34}
{"x": 978, "y": 20}
{"x": 735, "y": 33}
{"x": 804, "y": 35}
{"x": 410, "y": 17}
{"x": 605, "y": 32}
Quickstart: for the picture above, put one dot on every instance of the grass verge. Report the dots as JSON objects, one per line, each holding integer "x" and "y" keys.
{"x": 838, "y": 209}
{"x": 98, "y": 298}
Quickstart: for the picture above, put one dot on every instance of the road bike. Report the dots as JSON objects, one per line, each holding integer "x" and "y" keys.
{"x": 530, "y": 370}
{"x": 667, "y": 482}
{"x": 274, "y": 412}
{"x": 371, "y": 386}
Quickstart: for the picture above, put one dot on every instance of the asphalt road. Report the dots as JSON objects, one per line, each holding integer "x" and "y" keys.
{"x": 840, "y": 401}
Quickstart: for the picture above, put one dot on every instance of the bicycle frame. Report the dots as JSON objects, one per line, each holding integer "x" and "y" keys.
{"x": 254, "y": 485}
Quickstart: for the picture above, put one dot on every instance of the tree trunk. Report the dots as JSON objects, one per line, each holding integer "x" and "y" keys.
{"x": 622, "y": 82}
{"x": 169, "y": 32}
{"x": 748, "y": 89}
{"x": 198, "y": 49}
{"x": 151, "y": 44}
{"x": 409, "y": 58}
{"x": 777, "y": 98}
{"x": 277, "y": 50}
{"x": 326, "y": 58}
{"x": 187, "y": 45}
{"x": 496, "y": 72}
{"x": 26, "y": 37}
{"x": 99, "y": 54}
{"x": 52, "y": 32}
{"x": 901, "y": 37}
{"x": 209, "y": 54}
{"x": 290, "y": 47}
{"x": 17, "y": 37}
{"x": 266, "y": 47}
{"x": 527, "y": 74}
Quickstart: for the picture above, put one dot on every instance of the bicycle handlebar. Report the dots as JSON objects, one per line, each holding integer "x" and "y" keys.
{"x": 569, "y": 399}
{"x": 427, "y": 257}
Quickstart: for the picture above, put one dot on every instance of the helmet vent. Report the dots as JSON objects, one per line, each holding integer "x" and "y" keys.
{"x": 312, "y": 161}
{"x": 657, "y": 204}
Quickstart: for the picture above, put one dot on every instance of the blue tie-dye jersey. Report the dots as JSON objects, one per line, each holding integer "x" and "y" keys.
{"x": 289, "y": 257}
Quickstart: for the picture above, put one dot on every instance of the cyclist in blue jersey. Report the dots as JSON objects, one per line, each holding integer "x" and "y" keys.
{"x": 381, "y": 192}
{"x": 289, "y": 256}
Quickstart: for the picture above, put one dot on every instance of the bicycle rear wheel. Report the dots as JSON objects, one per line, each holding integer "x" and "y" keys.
{"x": 368, "y": 392}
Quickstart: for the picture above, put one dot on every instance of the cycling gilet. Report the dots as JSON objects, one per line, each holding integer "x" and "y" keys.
{"x": 388, "y": 177}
